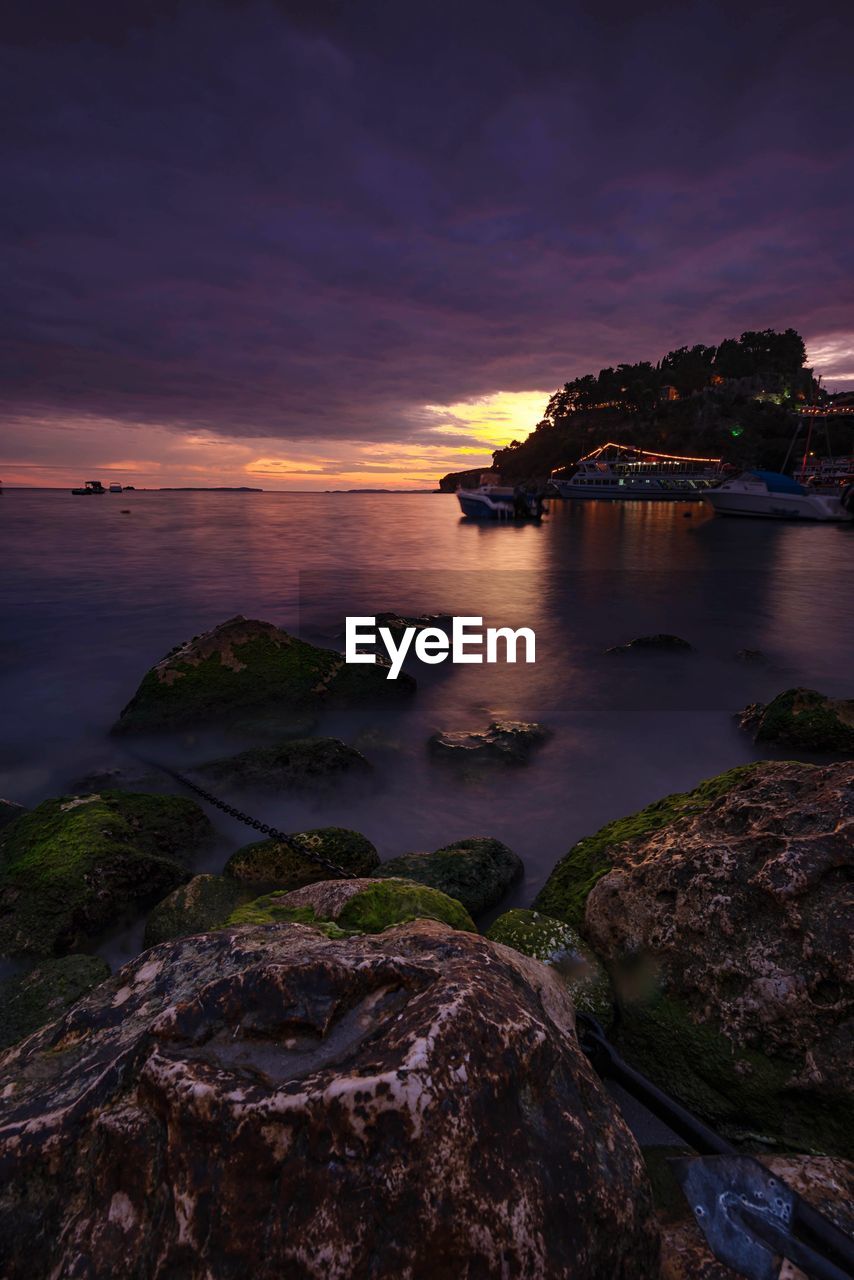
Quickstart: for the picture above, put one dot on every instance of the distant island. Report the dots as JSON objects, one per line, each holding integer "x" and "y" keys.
{"x": 736, "y": 401}
{"x": 207, "y": 488}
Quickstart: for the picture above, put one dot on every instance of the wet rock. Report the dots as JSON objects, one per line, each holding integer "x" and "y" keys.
{"x": 664, "y": 643}
{"x": 398, "y": 623}
{"x": 243, "y": 670}
{"x": 360, "y": 905}
{"x": 726, "y": 933}
{"x": 556, "y": 944}
{"x": 74, "y": 865}
{"x": 804, "y": 719}
{"x": 147, "y": 781}
{"x": 413, "y": 1104}
{"x": 30, "y": 999}
{"x": 751, "y": 655}
{"x": 300, "y": 764}
{"x": 272, "y": 863}
{"x": 508, "y": 741}
{"x": 204, "y": 903}
{"x": 9, "y": 811}
{"x": 477, "y": 872}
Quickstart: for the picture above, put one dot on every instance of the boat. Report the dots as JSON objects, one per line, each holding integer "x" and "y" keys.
{"x": 773, "y": 496}
{"x": 623, "y": 472}
{"x": 493, "y": 501}
{"x": 91, "y": 486}
{"x": 115, "y": 488}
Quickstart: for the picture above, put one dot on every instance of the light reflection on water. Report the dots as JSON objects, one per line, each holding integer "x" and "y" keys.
{"x": 92, "y": 597}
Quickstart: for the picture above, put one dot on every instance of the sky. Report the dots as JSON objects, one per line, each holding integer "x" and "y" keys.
{"x": 313, "y": 245}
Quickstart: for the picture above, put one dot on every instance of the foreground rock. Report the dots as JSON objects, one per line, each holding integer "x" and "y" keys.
{"x": 204, "y": 903}
{"x": 328, "y": 1085}
{"x": 507, "y": 741}
{"x": 477, "y": 872}
{"x": 804, "y": 719}
{"x": 364, "y": 905}
{"x": 300, "y": 764}
{"x": 556, "y": 944}
{"x": 269, "y": 862}
{"x": 30, "y": 999}
{"x": 722, "y": 916}
{"x": 73, "y": 866}
{"x": 663, "y": 643}
{"x": 9, "y": 811}
{"x": 243, "y": 670}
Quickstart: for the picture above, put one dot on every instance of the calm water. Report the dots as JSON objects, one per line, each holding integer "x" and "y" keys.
{"x": 92, "y": 597}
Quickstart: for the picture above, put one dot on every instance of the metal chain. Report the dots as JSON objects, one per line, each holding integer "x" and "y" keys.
{"x": 296, "y": 846}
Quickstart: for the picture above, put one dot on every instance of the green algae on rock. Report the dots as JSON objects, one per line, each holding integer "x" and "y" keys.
{"x": 31, "y": 999}
{"x": 203, "y": 903}
{"x": 360, "y": 905}
{"x": 299, "y": 764}
{"x": 71, "y": 865}
{"x": 477, "y": 872}
{"x": 273, "y": 863}
{"x": 557, "y": 944}
{"x": 804, "y": 719}
{"x": 245, "y": 668}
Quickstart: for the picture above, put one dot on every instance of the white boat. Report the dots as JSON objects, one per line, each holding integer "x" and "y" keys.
{"x": 115, "y": 488}
{"x": 773, "y": 496}
{"x": 499, "y": 502}
{"x": 619, "y": 471}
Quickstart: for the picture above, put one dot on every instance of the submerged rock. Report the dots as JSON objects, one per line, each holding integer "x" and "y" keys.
{"x": 361, "y": 905}
{"x": 300, "y": 764}
{"x": 280, "y": 1103}
{"x": 556, "y": 944}
{"x": 70, "y": 867}
{"x": 804, "y": 719}
{"x": 28, "y": 1000}
{"x": 9, "y": 811}
{"x": 204, "y": 903}
{"x": 477, "y": 872}
{"x": 398, "y": 623}
{"x": 244, "y": 670}
{"x": 726, "y": 932}
{"x": 273, "y": 863}
{"x": 508, "y": 741}
{"x": 664, "y": 642}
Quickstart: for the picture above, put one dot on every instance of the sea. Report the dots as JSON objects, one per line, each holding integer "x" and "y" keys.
{"x": 96, "y": 590}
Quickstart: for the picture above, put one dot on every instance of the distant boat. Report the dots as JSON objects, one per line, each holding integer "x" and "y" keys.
{"x": 773, "y": 496}
{"x": 115, "y": 488}
{"x": 623, "y": 472}
{"x": 91, "y": 486}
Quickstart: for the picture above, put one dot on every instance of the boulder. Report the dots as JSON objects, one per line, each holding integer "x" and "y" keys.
{"x": 397, "y": 623}
{"x": 727, "y": 935}
{"x": 243, "y": 670}
{"x": 204, "y": 903}
{"x": 72, "y": 866}
{"x": 664, "y": 643}
{"x": 271, "y": 1102}
{"x": 30, "y": 999}
{"x": 477, "y": 872}
{"x": 300, "y": 764}
{"x": 9, "y": 811}
{"x": 556, "y": 944}
{"x": 363, "y": 905}
{"x": 272, "y": 863}
{"x": 804, "y": 719}
{"x": 507, "y": 741}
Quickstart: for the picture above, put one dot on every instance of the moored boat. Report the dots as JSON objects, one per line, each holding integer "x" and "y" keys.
{"x": 772, "y": 496}
{"x": 492, "y": 501}
{"x": 90, "y": 487}
{"x": 623, "y": 472}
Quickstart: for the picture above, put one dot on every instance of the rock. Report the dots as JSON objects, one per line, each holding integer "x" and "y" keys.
{"x": 300, "y": 764}
{"x": 204, "y": 903}
{"x": 9, "y": 811}
{"x": 509, "y": 741}
{"x": 272, "y": 863}
{"x": 269, "y": 1102}
{"x": 751, "y": 655}
{"x": 398, "y": 623}
{"x": 727, "y": 935}
{"x": 148, "y": 781}
{"x": 557, "y": 944}
{"x": 29, "y": 1000}
{"x": 666, "y": 643}
{"x": 477, "y": 872}
{"x": 804, "y": 719}
{"x": 72, "y": 866}
{"x": 248, "y": 669}
{"x": 363, "y": 905}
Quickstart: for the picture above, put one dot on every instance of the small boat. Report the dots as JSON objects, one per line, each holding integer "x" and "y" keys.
{"x": 773, "y": 496}
{"x": 623, "y": 472}
{"x": 115, "y": 488}
{"x": 91, "y": 486}
{"x": 500, "y": 502}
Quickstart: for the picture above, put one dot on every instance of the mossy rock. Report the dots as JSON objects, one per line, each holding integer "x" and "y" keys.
{"x": 29, "y": 1000}
{"x": 204, "y": 903}
{"x": 477, "y": 872}
{"x": 299, "y": 764}
{"x": 73, "y": 865}
{"x": 565, "y": 892}
{"x": 344, "y": 908}
{"x": 557, "y": 944}
{"x": 9, "y": 811}
{"x": 245, "y": 670}
{"x": 272, "y": 863}
{"x": 804, "y": 719}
